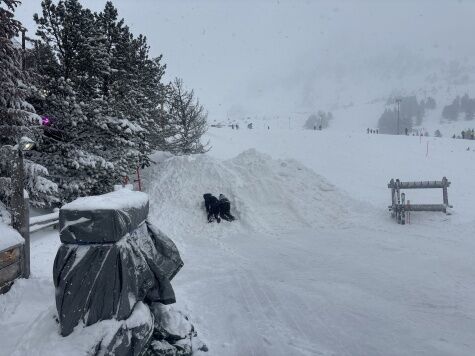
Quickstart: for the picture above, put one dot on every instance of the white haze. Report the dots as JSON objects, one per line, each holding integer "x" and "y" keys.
{"x": 278, "y": 57}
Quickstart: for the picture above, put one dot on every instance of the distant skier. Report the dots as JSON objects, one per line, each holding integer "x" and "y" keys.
{"x": 212, "y": 207}
{"x": 407, "y": 131}
{"x": 367, "y": 130}
{"x": 225, "y": 208}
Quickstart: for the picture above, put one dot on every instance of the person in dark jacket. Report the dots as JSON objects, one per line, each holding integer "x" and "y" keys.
{"x": 212, "y": 207}
{"x": 225, "y": 208}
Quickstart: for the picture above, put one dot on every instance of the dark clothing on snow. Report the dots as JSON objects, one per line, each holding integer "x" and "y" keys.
{"x": 212, "y": 207}
{"x": 225, "y": 208}
{"x": 218, "y": 209}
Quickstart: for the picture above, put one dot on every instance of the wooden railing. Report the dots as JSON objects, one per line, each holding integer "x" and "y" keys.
{"x": 44, "y": 221}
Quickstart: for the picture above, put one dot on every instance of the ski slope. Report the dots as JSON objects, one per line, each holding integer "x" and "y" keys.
{"x": 314, "y": 265}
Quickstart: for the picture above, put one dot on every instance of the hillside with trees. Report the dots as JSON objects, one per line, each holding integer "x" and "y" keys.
{"x": 321, "y": 120}
{"x": 411, "y": 113}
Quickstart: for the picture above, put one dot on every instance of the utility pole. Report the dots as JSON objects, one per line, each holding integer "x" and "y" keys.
{"x": 23, "y": 47}
{"x": 19, "y": 205}
{"x": 398, "y": 101}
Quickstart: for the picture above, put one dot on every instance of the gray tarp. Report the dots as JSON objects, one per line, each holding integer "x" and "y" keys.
{"x": 130, "y": 338}
{"x": 113, "y": 264}
{"x": 103, "y": 218}
{"x": 98, "y": 282}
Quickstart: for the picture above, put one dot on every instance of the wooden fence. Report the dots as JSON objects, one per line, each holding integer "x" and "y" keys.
{"x": 44, "y": 221}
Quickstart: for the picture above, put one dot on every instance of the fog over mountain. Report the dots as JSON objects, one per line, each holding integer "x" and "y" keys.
{"x": 278, "y": 57}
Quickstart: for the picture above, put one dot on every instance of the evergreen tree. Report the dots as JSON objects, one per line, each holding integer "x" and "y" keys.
{"x": 17, "y": 116}
{"x": 102, "y": 91}
{"x": 387, "y": 123}
{"x": 186, "y": 120}
{"x": 312, "y": 122}
{"x": 321, "y": 119}
{"x": 451, "y": 112}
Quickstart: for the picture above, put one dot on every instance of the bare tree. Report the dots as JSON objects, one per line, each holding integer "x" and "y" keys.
{"x": 186, "y": 122}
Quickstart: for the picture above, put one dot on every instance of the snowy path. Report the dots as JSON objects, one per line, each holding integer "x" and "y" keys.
{"x": 311, "y": 292}
{"x": 347, "y": 292}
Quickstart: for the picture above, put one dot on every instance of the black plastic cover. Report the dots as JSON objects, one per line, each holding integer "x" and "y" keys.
{"x": 102, "y": 281}
{"x": 104, "y": 218}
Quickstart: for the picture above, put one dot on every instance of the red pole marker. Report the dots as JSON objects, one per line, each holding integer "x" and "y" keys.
{"x": 138, "y": 179}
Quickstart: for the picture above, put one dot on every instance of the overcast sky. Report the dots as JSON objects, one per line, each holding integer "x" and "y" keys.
{"x": 261, "y": 56}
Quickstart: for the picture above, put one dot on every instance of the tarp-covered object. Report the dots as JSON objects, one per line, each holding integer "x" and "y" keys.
{"x": 102, "y": 218}
{"x": 129, "y": 337}
{"x": 103, "y": 281}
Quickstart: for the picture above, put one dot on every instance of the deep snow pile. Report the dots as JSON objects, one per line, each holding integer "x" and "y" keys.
{"x": 266, "y": 194}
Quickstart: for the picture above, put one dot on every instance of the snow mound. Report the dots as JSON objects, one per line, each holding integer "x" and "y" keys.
{"x": 9, "y": 237}
{"x": 266, "y": 195}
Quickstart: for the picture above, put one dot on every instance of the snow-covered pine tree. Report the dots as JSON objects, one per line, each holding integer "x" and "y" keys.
{"x": 90, "y": 83}
{"x": 17, "y": 116}
{"x": 67, "y": 59}
{"x": 314, "y": 121}
{"x": 186, "y": 120}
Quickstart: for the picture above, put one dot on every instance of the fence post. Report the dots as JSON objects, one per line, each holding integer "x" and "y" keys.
{"x": 393, "y": 198}
{"x": 444, "y": 192}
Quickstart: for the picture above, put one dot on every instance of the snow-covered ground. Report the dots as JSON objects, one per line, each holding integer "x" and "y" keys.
{"x": 314, "y": 265}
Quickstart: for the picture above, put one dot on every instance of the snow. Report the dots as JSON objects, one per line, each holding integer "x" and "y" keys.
{"x": 314, "y": 264}
{"x": 307, "y": 270}
{"x": 117, "y": 200}
{"x": 43, "y": 218}
{"x": 126, "y": 186}
{"x": 43, "y": 337}
{"x": 9, "y": 237}
{"x": 266, "y": 194}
